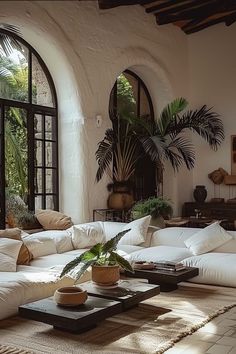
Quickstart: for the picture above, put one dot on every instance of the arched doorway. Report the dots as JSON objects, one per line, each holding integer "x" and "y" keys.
{"x": 28, "y": 129}
{"x": 130, "y": 97}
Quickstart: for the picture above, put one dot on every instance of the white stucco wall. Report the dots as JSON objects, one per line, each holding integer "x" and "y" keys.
{"x": 85, "y": 50}
{"x": 212, "y": 81}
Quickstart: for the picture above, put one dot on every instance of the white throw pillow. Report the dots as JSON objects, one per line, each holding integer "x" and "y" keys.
{"x": 61, "y": 238}
{"x": 87, "y": 235}
{"x": 138, "y": 232}
{"x": 40, "y": 248}
{"x": 207, "y": 239}
{"x": 9, "y": 250}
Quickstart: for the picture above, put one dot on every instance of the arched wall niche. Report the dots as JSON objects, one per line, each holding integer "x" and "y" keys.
{"x": 63, "y": 64}
{"x": 158, "y": 82}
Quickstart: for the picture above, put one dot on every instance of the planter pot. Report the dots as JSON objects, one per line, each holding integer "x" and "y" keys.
{"x": 200, "y": 194}
{"x": 121, "y": 198}
{"x": 120, "y": 201}
{"x": 70, "y": 296}
{"x": 105, "y": 275}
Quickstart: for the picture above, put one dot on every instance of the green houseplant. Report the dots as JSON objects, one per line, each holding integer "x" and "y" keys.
{"x": 104, "y": 260}
{"x": 158, "y": 207}
{"x": 162, "y": 140}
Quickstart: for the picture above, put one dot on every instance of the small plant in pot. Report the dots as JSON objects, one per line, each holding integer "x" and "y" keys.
{"x": 158, "y": 207}
{"x": 105, "y": 262}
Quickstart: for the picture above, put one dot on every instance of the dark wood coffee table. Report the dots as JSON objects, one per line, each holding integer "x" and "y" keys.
{"x": 167, "y": 280}
{"x": 102, "y": 304}
{"x": 72, "y": 319}
{"x": 129, "y": 292}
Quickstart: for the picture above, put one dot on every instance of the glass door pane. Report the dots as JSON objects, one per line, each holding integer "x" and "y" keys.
{"x": 2, "y": 170}
{"x": 16, "y": 162}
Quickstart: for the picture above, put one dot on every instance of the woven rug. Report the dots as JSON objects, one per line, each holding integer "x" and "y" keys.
{"x": 152, "y": 327}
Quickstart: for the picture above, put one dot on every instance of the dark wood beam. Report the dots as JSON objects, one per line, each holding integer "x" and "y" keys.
{"x": 206, "y": 24}
{"x": 108, "y": 4}
{"x": 199, "y": 12}
{"x": 179, "y": 6}
{"x": 191, "y": 24}
{"x": 165, "y": 5}
{"x": 230, "y": 19}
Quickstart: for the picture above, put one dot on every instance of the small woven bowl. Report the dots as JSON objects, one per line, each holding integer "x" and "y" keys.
{"x": 70, "y": 296}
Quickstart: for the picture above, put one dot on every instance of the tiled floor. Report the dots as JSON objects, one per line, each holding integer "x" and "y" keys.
{"x": 216, "y": 337}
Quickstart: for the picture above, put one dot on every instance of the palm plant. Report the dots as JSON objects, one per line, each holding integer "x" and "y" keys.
{"x": 118, "y": 145}
{"x": 162, "y": 139}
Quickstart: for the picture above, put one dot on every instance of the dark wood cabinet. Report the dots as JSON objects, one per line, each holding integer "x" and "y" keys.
{"x": 219, "y": 211}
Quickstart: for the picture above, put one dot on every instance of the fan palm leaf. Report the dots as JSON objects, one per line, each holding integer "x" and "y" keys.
{"x": 104, "y": 153}
{"x": 9, "y": 43}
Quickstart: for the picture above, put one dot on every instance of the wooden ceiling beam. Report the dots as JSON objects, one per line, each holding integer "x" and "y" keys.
{"x": 206, "y": 24}
{"x": 230, "y": 19}
{"x": 204, "y": 11}
{"x": 157, "y": 6}
{"x": 178, "y": 7}
{"x": 108, "y": 4}
{"x": 200, "y": 21}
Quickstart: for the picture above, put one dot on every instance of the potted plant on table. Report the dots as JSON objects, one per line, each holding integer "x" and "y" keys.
{"x": 104, "y": 260}
{"x": 158, "y": 207}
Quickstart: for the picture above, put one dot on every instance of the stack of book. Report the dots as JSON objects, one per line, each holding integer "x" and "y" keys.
{"x": 169, "y": 266}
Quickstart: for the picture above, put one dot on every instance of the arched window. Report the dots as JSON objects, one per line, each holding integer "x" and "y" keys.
{"x": 130, "y": 96}
{"x": 28, "y": 127}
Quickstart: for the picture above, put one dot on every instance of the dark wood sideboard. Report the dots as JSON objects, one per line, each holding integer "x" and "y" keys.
{"x": 219, "y": 211}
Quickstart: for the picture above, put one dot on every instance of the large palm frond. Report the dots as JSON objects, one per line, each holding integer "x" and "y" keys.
{"x": 169, "y": 113}
{"x": 9, "y": 43}
{"x": 202, "y": 121}
{"x": 104, "y": 153}
{"x": 179, "y": 151}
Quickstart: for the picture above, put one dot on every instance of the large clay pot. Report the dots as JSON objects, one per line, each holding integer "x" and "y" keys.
{"x": 200, "y": 194}
{"x": 120, "y": 201}
{"x": 121, "y": 198}
{"x": 105, "y": 275}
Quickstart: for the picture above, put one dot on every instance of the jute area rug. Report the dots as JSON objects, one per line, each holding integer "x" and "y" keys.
{"x": 152, "y": 327}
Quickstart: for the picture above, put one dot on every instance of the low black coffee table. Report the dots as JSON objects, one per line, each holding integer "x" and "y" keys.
{"x": 129, "y": 292}
{"x": 168, "y": 280}
{"x": 102, "y": 304}
{"x": 72, "y": 319}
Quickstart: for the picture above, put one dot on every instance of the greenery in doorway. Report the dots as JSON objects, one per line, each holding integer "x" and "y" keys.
{"x": 14, "y": 84}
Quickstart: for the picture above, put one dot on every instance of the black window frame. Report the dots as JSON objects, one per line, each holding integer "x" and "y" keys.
{"x": 31, "y": 109}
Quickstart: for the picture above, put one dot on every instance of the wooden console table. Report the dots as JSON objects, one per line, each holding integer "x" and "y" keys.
{"x": 211, "y": 210}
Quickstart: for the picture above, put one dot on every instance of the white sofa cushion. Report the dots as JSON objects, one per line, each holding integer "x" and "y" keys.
{"x": 87, "y": 235}
{"x": 138, "y": 232}
{"x": 129, "y": 248}
{"x": 61, "y": 238}
{"x": 26, "y": 285}
{"x": 207, "y": 239}
{"x": 172, "y": 236}
{"x": 160, "y": 253}
{"x": 9, "y": 250}
{"x": 40, "y": 247}
{"x": 214, "y": 268}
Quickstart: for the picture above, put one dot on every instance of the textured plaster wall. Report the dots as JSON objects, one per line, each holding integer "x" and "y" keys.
{"x": 85, "y": 50}
{"x": 212, "y": 80}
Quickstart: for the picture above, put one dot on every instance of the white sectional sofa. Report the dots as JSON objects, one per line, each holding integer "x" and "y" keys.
{"x": 53, "y": 249}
